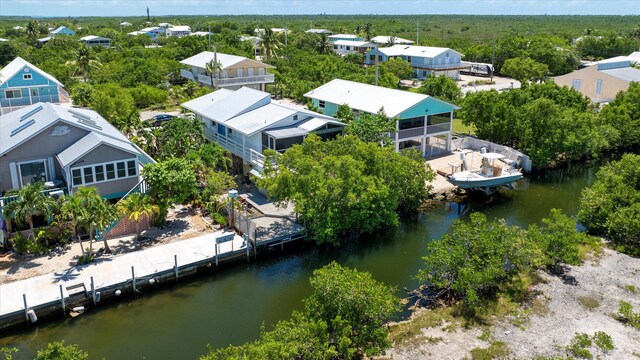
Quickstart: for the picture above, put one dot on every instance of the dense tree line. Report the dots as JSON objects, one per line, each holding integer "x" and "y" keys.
{"x": 552, "y": 124}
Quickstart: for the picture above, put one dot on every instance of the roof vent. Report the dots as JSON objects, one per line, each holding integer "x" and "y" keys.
{"x": 25, "y": 116}
{"x": 22, "y": 127}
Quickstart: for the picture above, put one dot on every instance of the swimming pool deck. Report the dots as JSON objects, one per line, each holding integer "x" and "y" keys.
{"x": 113, "y": 273}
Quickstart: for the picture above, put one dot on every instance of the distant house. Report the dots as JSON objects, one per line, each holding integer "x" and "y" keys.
{"x": 178, "y": 31}
{"x": 237, "y": 71}
{"x": 152, "y": 32}
{"x": 346, "y": 47}
{"x": 92, "y": 40}
{"x": 603, "y": 80}
{"x": 62, "y": 30}
{"x": 3, "y": 40}
{"x": 247, "y": 121}
{"x": 125, "y": 23}
{"x": 200, "y": 33}
{"x": 66, "y": 148}
{"x": 43, "y": 41}
{"x": 383, "y": 40}
{"x": 424, "y": 122}
{"x": 22, "y": 84}
{"x": 319, "y": 31}
{"x": 18, "y": 27}
{"x": 349, "y": 37}
{"x": 424, "y": 60}
{"x": 164, "y": 25}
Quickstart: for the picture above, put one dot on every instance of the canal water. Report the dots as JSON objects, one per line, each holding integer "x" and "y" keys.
{"x": 229, "y": 306}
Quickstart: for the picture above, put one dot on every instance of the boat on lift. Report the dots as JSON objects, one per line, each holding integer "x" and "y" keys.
{"x": 489, "y": 177}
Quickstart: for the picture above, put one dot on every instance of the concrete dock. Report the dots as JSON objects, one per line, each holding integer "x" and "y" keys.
{"x": 55, "y": 292}
{"x": 446, "y": 165}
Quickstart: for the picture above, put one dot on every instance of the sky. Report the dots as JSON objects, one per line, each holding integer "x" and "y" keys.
{"x": 268, "y": 7}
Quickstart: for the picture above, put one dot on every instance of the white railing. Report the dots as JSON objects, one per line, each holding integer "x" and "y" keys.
{"x": 438, "y": 128}
{"x": 419, "y": 131}
{"x": 259, "y": 79}
{"x": 187, "y": 74}
{"x": 252, "y": 156}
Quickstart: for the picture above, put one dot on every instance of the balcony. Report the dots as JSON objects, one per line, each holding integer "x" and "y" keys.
{"x": 438, "y": 128}
{"x": 247, "y": 154}
{"x": 228, "y": 81}
{"x": 439, "y": 67}
{"x": 419, "y": 131}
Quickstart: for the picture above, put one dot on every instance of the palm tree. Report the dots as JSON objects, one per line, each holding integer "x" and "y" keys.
{"x": 83, "y": 62}
{"x": 103, "y": 215}
{"x": 74, "y": 212}
{"x": 32, "y": 30}
{"x": 270, "y": 44}
{"x": 31, "y": 201}
{"x": 367, "y": 31}
{"x": 213, "y": 69}
{"x": 89, "y": 197}
{"x": 136, "y": 207}
{"x": 325, "y": 46}
{"x": 391, "y": 41}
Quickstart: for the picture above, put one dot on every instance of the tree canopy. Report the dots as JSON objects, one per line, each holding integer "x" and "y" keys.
{"x": 345, "y": 186}
{"x": 525, "y": 69}
{"x": 441, "y": 87}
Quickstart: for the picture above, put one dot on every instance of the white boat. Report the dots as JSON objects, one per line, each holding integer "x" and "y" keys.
{"x": 488, "y": 178}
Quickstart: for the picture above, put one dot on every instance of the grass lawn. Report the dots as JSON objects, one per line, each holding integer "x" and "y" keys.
{"x": 460, "y": 128}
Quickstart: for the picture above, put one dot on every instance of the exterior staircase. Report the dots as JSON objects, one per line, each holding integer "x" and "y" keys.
{"x": 142, "y": 187}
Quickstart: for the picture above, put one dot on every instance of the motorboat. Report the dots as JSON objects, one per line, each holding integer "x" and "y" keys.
{"x": 489, "y": 177}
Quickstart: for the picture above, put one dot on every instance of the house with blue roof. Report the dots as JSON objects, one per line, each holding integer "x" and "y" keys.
{"x": 247, "y": 121}
{"x": 423, "y": 122}
{"x": 61, "y": 30}
{"x": 22, "y": 84}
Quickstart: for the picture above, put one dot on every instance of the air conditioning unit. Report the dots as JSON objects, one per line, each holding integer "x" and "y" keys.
{"x": 56, "y": 194}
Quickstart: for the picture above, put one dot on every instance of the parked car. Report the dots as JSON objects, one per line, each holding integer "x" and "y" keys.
{"x": 158, "y": 120}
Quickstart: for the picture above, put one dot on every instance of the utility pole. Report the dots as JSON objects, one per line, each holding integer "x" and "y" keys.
{"x": 377, "y": 51}
{"x": 418, "y": 33}
{"x": 209, "y": 36}
{"x": 286, "y": 33}
{"x": 148, "y": 18}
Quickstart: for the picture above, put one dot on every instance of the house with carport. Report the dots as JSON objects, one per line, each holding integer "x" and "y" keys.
{"x": 247, "y": 121}
{"x": 425, "y": 60}
{"x": 423, "y": 122}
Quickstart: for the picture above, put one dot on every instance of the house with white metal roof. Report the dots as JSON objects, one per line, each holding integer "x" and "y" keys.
{"x": 346, "y": 47}
{"x": 603, "y": 80}
{"x": 246, "y": 122}
{"x": 350, "y": 37}
{"x": 178, "y": 31}
{"x": 92, "y": 40}
{"x": 425, "y": 60}
{"x": 22, "y": 84}
{"x": 423, "y": 122}
{"x": 394, "y": 40}
{"x": 152, "y": 32}
{"x": 3, "y": 40}
{"x": 237, "y": 71}
{"x": 61, "y": 30}
{"x": 67, "y": 148}
{"x": 319, "y": 31}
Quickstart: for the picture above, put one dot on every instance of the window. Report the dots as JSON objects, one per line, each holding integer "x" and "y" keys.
{"x": 576, "y": 84}
{"x": 99, "y": 173}
{"x": 409, "y": 58}
{"x": 598, "y": 87}
{"x": 321, "y": 104}
{"x": 34, "y": 92}
{"x": 31, "y": 172}
{"x": 11, "y": 94}
{"x": 121, "y": 170}
{"x": 76, "y": 175}
{"x": 372, "y": 58}
{"x": 295, "y": 117}
{"x": 27, "y": 76}
{"x": 111, "y": 171}
{"x": 88, "y": 175}
{"x": 131, "y": 168}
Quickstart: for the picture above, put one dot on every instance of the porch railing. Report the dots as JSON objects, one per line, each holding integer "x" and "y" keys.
{"x": 9, "y": 199}
{"x": 252, "y": 156}
{"x": 230, "y": 81}
{"x": 419, "y": 131}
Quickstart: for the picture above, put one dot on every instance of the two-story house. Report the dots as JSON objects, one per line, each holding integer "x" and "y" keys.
{"x": 22, "y": 84}
{"x": 237, "y": 71}
{"x": 424, "y": 60}
{"x": 246, "y": 122}
{"x": 603, "y": 80}
{"x": 424, "y": 122}
{"x": 346, "y": 47}
{"x": 66, "y": 148}
{"x": 152, "y": 32}
{"x": 92, "y": 40}
{"x": 178, "y": 31}
{"x": 351, "y": 37}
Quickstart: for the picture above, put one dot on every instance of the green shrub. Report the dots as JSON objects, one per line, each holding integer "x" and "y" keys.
{"x": 19, "y": 243}
{"x": 627, "y": 315}
{"x": 145, "y": 96}
{"x": 579, "y": 346}
{"x": 603, "y": 341}
{"x": 497, "y": 350}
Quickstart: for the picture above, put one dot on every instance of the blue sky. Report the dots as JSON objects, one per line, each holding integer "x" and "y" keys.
{"x": 268, "y": 7}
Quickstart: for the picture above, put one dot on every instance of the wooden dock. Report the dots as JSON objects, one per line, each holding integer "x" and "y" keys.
{"x": 88, "y": 285}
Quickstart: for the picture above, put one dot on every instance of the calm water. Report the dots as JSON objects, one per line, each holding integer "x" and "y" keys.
{"x": 229, "y": 307}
